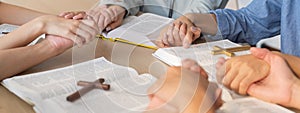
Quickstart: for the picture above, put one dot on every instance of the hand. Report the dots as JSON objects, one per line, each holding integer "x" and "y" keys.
{"x": 182, "y": 32}
{"x": 107, "y": 17}
{"x": 192, "y": 65}
{"x": 74, "y": 15}
{"x": 60, "y": 44}
{"x": 239, "y": 73}
{"x": 79, "y": 31}
{"x": 280, "y": 86}
{"x": 183, "y": 91}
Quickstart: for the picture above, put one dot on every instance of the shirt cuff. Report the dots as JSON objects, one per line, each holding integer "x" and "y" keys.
{"x": 223, "y": 26}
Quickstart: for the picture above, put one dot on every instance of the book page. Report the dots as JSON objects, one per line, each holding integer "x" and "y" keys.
{"x": 142, "y": 30}
{"x": 7, "y": 28}
{"x": 128, "y": 90}
{"x": 200, "y": 53}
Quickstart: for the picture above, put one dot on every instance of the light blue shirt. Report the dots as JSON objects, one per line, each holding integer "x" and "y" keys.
{"x": 263, "y": 19}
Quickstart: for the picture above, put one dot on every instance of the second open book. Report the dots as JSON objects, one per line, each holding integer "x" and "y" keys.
{"x": 48, "y": 90}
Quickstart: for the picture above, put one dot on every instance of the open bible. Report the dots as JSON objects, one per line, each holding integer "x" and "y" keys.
{"x": 47, "y": 91}
{"x": 199, "y": 52}
{"x": 202, "y": 53}
{"x": 141, "y": 30}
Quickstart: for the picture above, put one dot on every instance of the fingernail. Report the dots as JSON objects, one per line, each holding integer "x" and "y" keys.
{"x": 194, "y": 28}
{"x": 108, "y": 28}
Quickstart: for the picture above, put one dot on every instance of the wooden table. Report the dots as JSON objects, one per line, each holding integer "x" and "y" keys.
{"x": 137, "y": 57}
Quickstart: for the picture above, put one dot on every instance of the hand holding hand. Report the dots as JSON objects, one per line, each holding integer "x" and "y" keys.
{"x": 281, "y": 86}
{"x": 107, "y": 17}
{"x": 238, "y": 73}
{"x": 79, "y": 31}
{"x": 60, "y": 44}
{"x": 182, "y": 91}
{"x": 181, "y": 32}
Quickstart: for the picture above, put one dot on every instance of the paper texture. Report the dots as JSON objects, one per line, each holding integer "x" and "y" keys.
{"x": 200, "y": 52}
{"x": 7, "y": 28}
{"x": 142, "y": 30}
{"x": 48, "y": 90}
{"x": 251, "y": 105}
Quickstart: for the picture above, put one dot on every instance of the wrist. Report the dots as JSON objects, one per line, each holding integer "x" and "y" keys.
{"x": 295, "y": 97}
{"x": 40, "y": 24}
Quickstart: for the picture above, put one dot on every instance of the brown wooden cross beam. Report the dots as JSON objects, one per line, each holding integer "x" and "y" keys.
{"x": 88, "y": 86}
{"x": 229, "y": 51}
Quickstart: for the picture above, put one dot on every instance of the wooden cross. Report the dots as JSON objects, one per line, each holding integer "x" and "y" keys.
{"x": 88, "y": 86}
{"x": 229, "y": 51}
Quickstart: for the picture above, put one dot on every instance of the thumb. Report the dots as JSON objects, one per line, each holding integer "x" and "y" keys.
{"x": 259, "y": 52}
{"x": 263, "y": 54}
{"x": 113, "y": 25}
{"x": 188, "y": 39}
{"x": 196, "y": 31}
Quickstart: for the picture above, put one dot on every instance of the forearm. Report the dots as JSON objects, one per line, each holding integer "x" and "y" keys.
{"x": 16, "y": 15}
{"x": 207, "y": 22}
{"x": 14, "y": 61}
{"x": 22, "y": 36}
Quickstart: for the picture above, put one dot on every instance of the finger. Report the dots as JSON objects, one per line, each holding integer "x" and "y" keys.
{"x": 221, "y": 71}
{"x": 69, "y": 15}
{"x": 170, "y": 34}
{"x": 64, "y": 14}
{"x": 177, "y": 39}
{"x": 101, "y": 23}
{"x": 183, "y": 29}
{"x": 228, "y": 78}
{"x": 107, "y": 19}
{"x": 112, "y": 14}
{"x": 229, "y": 74}
{"x": 218, "y": 96}
{"x": 196, "y": 31}
{"x": 91, "y": 23}
{"x": 188, "y": 39}
{"x": 165, "y": 40}
{"x": 86, "y": 32}
{"x": 187, "y": 63}
{"x": 113, "y": 25}
{"x": 258, "y": 52}
{"x": 220, "y": 62}
{"x": 245, "y": 84}
{"x": 80, "y": 15}
{"x": 68, "y": 30}
{"x": 235, "y": 84}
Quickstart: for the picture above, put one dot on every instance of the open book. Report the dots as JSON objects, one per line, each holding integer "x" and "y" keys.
{"x": 234, "y": 103}
{"x": 47, "y": 91}
{"x": 142, "y": 30}
{"x": 200, "y": 52}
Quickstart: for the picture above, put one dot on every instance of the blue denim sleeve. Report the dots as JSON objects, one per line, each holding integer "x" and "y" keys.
{"x": 260, "y": 19}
